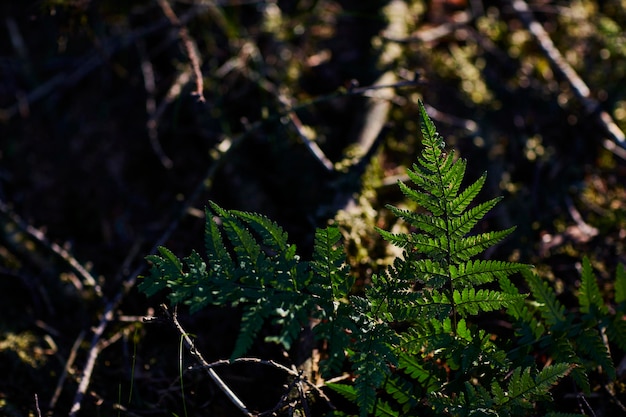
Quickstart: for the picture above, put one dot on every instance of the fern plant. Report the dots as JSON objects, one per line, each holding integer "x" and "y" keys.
{"x": 581, "y": 337}
{"x": 411, "y": 340}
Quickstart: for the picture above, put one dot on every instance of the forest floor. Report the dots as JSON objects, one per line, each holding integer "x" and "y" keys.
{"x": 119, "y": 121}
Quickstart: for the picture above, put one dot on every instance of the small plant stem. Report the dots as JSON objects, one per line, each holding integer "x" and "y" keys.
{"x": 205, "y": 365}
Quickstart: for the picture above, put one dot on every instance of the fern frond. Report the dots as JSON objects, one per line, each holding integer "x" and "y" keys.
{"x": 458, "y": 204}
{"x": 432, "y": 140}
{"x": 273, "y": 236}
{"x": 616, "y": 331}
{"x": 329, "y": 264}
{"x": 431, "y": 225}
{"x": 430, "y": 273}
{"x": 562, "y": 350}
{"x": 469, "y": 301}
{"x": 251, "y": 323}
{"x": 465, "y": 222}
{"x": 465, "y": 248}
{"x": 429, "y": 201}
{"x": 478, "y": 272}
{"x": 218, "y": 256}
{"x": 523, "y": 385}
{"x": 401, "y": 391}
{"x": 590, "y": 342}
{"x": 551, "y": 309}
{"x": 414, "y": 367}
{"x": 589, "y": 296}
{"x": 165, "y": 270}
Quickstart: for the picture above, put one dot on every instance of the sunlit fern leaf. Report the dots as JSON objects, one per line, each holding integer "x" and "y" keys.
{"x": 426, "y": 223}
{"x": 218, "y": 256}
{"x": 462, "y": 249}
{"x": 460, "y": 202}
{"x": 478, "y": 272}
{"x": 465, "y": 222}
{"x": 273, "y": 236}
{"x": 166, "y": 269}
{"x": 329, "y": 264}
{"x": 471, "y": 301}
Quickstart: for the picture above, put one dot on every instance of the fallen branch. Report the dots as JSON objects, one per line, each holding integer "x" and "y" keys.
{"x": 89, "y": 62}
{"x": 205, "y": 365}
{"x": 39, "y": 237}
{"x": 190, "y": 47}
{"x": 561, "y": 66}
{"x": 208, "y": 367}
{"x": 127, "y": 284}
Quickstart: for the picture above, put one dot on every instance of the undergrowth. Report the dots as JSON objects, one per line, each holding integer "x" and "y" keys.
{"x": 414, "y": 341}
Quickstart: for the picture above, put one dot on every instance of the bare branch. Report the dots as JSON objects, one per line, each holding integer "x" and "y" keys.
{"x": 198, "y": 356}
{"x": 61, "y": 252}
{"x": 565, "y": 69}
{"x": 190, "y": 47}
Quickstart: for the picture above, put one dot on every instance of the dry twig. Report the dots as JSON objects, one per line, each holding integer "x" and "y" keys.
{"x": 210, "y": 371}
{"x": 190, "y": 47}
{"x": 581, "y": 90}
{"x": 39, "y": 237}
{"x": 298, "y": 380}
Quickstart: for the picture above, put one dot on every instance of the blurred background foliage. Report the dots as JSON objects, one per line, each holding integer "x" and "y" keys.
{"x": 119, "y": 120}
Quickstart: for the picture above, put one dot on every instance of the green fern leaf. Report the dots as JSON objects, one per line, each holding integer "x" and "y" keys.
{"x": 273, "y": 236}
{"x": 469, "y": 301}
{"x": 551, "y": 309}
{"x": 432, "y": 225}
{"x": 329, "y": 263}
{"x": 219, "y": 259}
{"x": 465, "y": 222}
{"x": 458, "y": 204}
{"x": 251, "y": 323}
{"x": 465, "y": 248}
{"x": 428, "y": 201}
{"x": 590, "y": 342}
{"x": 431, "y": 273}
{"x": 589, "y": 296}
{"x": 523, "y": 385}
{"x": 166, "y": 269}
{"x": 413, "y": 366}
{"x": 478, "y": 272}
{"x": 616, "y": 331}
{"x": 402, "y": 391}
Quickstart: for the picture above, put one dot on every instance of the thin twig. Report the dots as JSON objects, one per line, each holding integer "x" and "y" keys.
{"x": 190, "y": 47}
{"x": 94, "y": 351}
{"x": 581, "y": 90}
{"x": 152, "y": 122}
{"x": 273, "y": 364}
{"x": 219, "y": 154}
{"x": 208, "y": 367}
{"x": 198, "y": 356}
{"x": 37, "y": 405}
{"x": 66, "y": 369}
{"x": 89, "y": 62}
{"x": 62, "y": 253}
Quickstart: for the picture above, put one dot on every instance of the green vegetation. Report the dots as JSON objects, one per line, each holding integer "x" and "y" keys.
{"x": 121, "y": 121}
{"x": 414, "y": 333}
